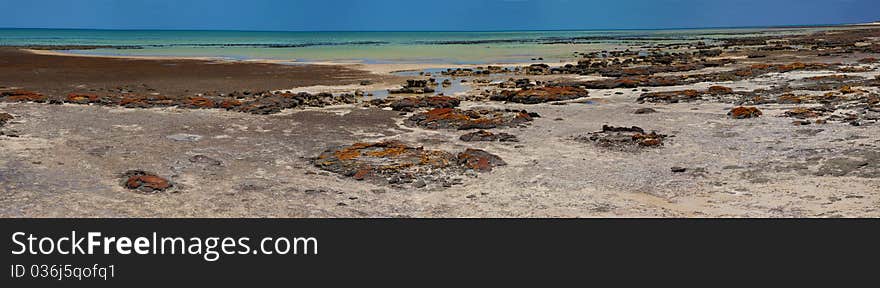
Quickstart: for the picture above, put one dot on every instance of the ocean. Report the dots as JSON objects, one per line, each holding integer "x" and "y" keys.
{"x": 368, "y": 47}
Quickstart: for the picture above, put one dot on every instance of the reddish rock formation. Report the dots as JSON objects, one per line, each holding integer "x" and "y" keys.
{"x": 230, "y": 104}
{"x": 82, "y": 98}
{"x": 22, "y": 96}
{"x": 198, "y": 103}
{"x": 144, "y": 182}
{"x": 744, "y": 112}
{"x": 394, "y": 162}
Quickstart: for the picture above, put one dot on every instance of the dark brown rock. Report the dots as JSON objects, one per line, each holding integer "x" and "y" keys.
{"x": 144, "y": 182}
{"x": 486, "y": 136}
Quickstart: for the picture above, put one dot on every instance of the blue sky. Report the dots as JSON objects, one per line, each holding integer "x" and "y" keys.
{"x": 446, "y": 15}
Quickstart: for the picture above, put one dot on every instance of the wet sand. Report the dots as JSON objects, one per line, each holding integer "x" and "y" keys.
{"x": 59, "y": 75}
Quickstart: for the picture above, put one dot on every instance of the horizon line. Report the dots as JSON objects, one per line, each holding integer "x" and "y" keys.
{"x": 429, "y": 31}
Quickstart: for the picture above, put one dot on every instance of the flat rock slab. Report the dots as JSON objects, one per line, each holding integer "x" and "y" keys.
{"x": 449, "y": 118}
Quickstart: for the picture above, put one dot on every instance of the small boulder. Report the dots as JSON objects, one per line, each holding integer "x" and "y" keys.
{"x": 744, "y": 112}
{"x": 144, "y": 182}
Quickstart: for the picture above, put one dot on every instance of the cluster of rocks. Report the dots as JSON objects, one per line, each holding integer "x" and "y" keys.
{"x": 415, "y": 87}
{"x": 688, "y": 95}
{"x": 831, "y": 42}
{"x": 260, "y": 103}
{"x": 827, "y": 43}
{"x": 479, "y": 71}
{"x": 274, "y": 103}
{"x": 642, "y": 63}
{"x": 144, "y": 182}
{"x": 675, "y": 80}
{"x": 411, "y": 104}
{"x": 396, "y": 163}
{"x": 450, "y": 118}
{"x": 625, "y": 139}
{"x": 541, "y": 94}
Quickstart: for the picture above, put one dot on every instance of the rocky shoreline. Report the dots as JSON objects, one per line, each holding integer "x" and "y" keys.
{"x": 745, "y": 126}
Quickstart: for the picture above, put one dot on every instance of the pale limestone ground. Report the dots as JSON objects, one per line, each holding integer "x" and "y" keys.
{"x": 66, "y": 161}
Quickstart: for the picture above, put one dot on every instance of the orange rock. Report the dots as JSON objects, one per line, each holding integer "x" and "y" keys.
{"x": 145, "y": 181}
{"x": 361, "y": 174}
{"x": 649, "y": 139}
{"x": 802, "y": 113}
{"x": 445, "y": 114}
{"x": 230, "y": 104}
{"x": 82, "y": 98}
{"x": 388, "y": 152}
{"x": 744, "y": 112}
{"x": 22, "y": 96}
{"x": 348, "y": 154}
{"x": 791, "y": 67}
{"x": 200, "y": 102}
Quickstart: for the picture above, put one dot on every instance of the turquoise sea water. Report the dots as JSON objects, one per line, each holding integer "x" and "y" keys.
{"x": 369, "y": 47}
